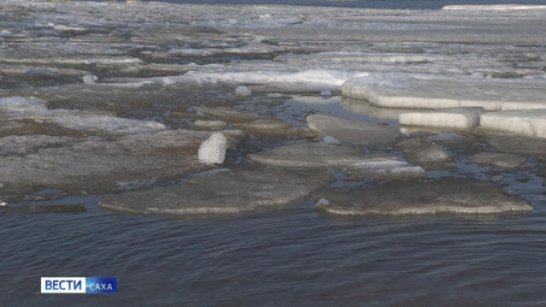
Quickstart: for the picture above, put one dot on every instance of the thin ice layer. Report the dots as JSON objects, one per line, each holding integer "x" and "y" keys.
{"x": 457, "y": 196}
{"x": 219, "y": 191}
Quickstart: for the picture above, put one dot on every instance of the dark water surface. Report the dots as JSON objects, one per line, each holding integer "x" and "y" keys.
{"x": 287, "y": 257}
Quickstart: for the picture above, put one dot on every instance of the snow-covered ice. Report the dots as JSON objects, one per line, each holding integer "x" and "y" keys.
{"x": 116, "y": 87}
{"x": 456, "y": 118}
{"x": 435, "y": 92}
{"x": 529, "y": 123}
{"x": 493, "y": 7}
{"x": 213, "y": 149}
{"x": 36, "y": 109}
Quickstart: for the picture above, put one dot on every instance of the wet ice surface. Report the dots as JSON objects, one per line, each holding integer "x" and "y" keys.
{"x": 110, "y": 103}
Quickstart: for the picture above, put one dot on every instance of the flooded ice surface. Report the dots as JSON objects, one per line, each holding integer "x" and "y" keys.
{"x": 188, "y": 146}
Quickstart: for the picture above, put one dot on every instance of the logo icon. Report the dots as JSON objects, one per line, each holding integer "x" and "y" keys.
{"x": 78, "y": 285}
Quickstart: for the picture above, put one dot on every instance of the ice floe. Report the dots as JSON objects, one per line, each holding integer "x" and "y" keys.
{"x": 530, "y": 123}
{"x": 243, "y": 91}
{"x": 210, "y": 124}
{"x": 213, "y": 149}
{"x": 422, "y": 152}
{"x": 351, "y": 131}
{"x": 518, "y": 144}
{"x": 387, "y": 168}
{"x": 455, "y": 196}
{"x": 89, "y": 79}
{"x": 323, "y": 155}
{"x": 26, "y": 144}
{"x": 317, "y": 80}
{"x": 501, "y": 160}
{"x": 36, "y": 109}
{"x": 494, "y": 7}
{"x": 433, "y": 92}
{"x": 97, "y": 165}
{"x": 456, "y": 118}
{"x": 222, "y": 192}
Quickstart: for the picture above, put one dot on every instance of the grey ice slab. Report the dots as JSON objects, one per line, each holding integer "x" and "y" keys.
{"x": 220, "y": 191}
{"x": 455, "y": 196}
{"x": 99, "y": 164}
{"x": 352, "y": 131}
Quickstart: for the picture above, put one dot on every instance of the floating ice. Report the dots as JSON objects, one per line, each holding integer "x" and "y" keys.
{"x": 351, "y": 131}
{"x": 387, "y": 169}
{"x": 494, "y": 7}
{"x": 213, "y": 149}
{"x": 422, "y": 152}
{"x": 64, "y": 28}
{"x": 530, "y": 123}
{"x": 264, "y": 125}
{"x": 460, "y": 196}
{"x": 36, "y": 109}
{"x": 501, "y": 160}
{"x": 307, "y": 79}
{"x": 322, "y": 155}
{"x": 74, "y": 61}
{"x": 98, "y": 165}
{"x": 431, "y": 92}
{"x": 223, "y": 192}
{"x": 89, "y": 79}
{"x": 210, "y": 124}
{"x": 26, "y": 144}
{"x": 518, "y": 144}
{"x": 328, "y": 139}
{"x": 243, "y": 91}
{"x": 456, "y": 118}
